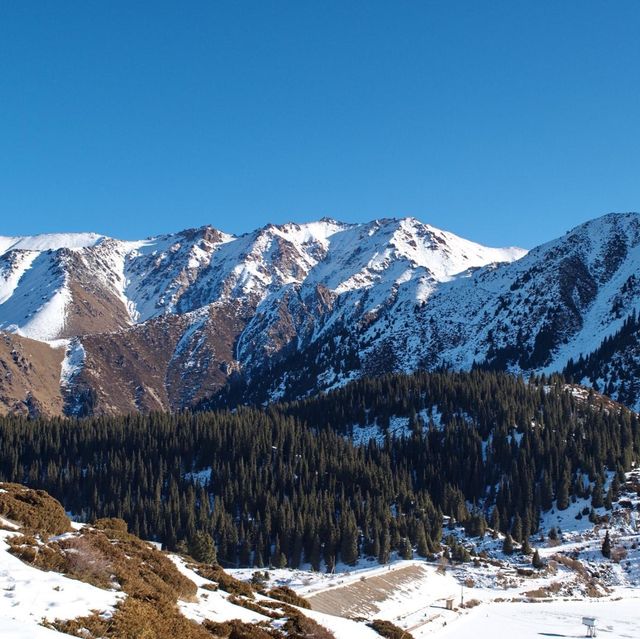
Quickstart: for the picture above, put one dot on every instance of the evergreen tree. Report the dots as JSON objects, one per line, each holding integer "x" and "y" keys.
{"x": 606, "y": 546}
{"x": 202, "y": 548}
{"x": 536, "y": 561}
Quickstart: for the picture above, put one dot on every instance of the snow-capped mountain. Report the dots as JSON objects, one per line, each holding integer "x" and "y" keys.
{"x": 286, "y": 310}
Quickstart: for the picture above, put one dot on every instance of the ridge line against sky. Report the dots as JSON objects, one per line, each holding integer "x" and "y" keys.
{"x": 176, "y": 231}
{"x": 505, "y": 122}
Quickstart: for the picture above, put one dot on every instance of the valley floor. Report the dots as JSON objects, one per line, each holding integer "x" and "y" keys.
{"x": 502, "y": 595}
{"x": 413, "y": 596}
{"x": 615, "y": 619}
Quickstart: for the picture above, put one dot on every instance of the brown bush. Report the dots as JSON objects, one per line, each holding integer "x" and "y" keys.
{"x": 111, "y": 523}
{"x": 236, "y": 629}
{"x": 28, "y": 549}
{"x": 545, "y": 591}
{"x": 225, "y": 581}
{"x": 282, "y": 593}
{"x": 212, "y": 587}
{"x": 252, "y": 605}
{"x": 141, "y": 570}
{"x": 389, "y": 630}
{"x": 101, "y": 557}
{"x": 35, "y": 510}
{"x": 134, "y": 619}
{"x": 618, "y": 554}
{"x": 298, "y": 626}
{"x": 85, "y": 561}
{"x": 572, "y": 564}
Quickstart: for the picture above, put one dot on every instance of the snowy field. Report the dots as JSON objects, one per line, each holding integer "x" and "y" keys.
{"x": 615, "y": 619}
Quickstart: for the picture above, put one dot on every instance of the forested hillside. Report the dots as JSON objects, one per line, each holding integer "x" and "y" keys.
{"x": 286, "y": 484}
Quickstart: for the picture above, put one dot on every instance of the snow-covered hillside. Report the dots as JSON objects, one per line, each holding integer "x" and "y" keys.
{"x": 59, "y": 579}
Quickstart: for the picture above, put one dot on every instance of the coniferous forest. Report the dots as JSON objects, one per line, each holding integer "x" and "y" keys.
{"x": 285, "y": 485}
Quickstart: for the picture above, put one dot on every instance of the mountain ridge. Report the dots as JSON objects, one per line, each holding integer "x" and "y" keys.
{"x": 165, "y": 323}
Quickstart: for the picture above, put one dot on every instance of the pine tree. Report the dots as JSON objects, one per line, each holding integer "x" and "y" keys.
{"x": 422, "y": 546}
{"x": 562, "y": 496}
{"x": 606, "y": 546}
{"x": 202, "y": 548}
{"x": 537, "y": 561}
{"x": 596, "y": 496}
{"x": 406, "y": 552}
{"x": 349, "y": 543}
{"x": 516, "y": 528}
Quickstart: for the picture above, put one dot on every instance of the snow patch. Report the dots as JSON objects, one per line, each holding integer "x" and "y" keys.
{"x": 73, "y": 362}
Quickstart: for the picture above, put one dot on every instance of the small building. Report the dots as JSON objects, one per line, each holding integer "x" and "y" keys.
{"x": 449, "y": 602}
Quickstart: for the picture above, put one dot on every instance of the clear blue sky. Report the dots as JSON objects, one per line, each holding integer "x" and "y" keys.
{"x": 505, "y": 122}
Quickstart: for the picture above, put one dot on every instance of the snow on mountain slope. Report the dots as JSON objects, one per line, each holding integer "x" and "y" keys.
{"x": 185, "y": 271}
{"x": 389, "y": 251}
{"x": 48, "y": 241}
{"x": 536, "y": 313}
{"x": 36, "y": 305}
{"x": 315, "y": 304}
{"x": 560, "y": 300}
{"x": 12, "y": 268}
{"x": 365, "y": 268}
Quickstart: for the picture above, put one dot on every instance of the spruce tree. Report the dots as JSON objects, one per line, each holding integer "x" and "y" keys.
{"x": 202, "y": 548}
{"x": 536, "y": 561}
{"x": 606, "y": 546}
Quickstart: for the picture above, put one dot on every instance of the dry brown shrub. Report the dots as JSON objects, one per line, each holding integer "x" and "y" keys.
{"x": 525, "y": 572}
{"x": 225, "y": 582}
{"x": 212, "y": 587}
{"x": 593, "y": 590}
{"x": 86, "y": 562}
{"x": 28, "y": 549}
{"x": 141, "y": 570}
{"x": 298, "y": 626}
{"x": 282, "y": 593}
{"x": 103, "y": 557}
{"x": 389, "y": 630}
{"x": 236, "y": 629}
{"x": 134, "y": 619}
{"x": 545, "y": 591}
{"x": 572, "y": 564}
{"x": 252, "y": 605}
{"x": 472, "y": 603}
{"x": 34, "y": 510}
{"x": 111, "y": 523}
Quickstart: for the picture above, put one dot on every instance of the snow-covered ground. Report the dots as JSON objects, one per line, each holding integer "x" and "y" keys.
{"x": 614, "y": 619}
{"x": 28, "y": 595}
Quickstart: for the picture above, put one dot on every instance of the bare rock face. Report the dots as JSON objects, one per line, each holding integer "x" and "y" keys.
{"x": 94, "y": 325}
{"x": 29, "y": 377}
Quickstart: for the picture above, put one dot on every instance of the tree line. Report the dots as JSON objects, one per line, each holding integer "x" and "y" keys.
{"x": 284, "y": 485}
